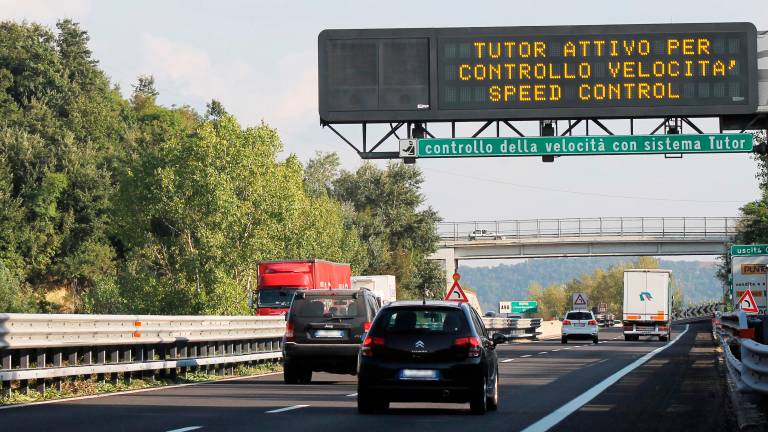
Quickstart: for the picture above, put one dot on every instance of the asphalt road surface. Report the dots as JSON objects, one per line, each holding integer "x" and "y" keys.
{"x": 543, "y": 388}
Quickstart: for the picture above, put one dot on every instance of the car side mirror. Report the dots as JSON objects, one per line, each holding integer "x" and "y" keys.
{"x": 498, "y": 338}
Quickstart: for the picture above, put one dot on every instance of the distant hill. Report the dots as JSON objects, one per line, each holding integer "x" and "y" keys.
{"x": 510, "y": 281}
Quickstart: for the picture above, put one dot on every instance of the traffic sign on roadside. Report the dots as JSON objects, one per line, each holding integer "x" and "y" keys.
{"x": 747, "y": 302}
{"x": 525, "y": 306}
{"x": 456, "y": 293}
{"x": 579, "y": 301}
{"x": 505, "y": 307}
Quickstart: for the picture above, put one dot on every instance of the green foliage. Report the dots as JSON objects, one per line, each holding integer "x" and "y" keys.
{"x": 386, "y": 208}
{"x": 15, "y": 296}
{"x": 695, "y": 280}
{"x": 61, "y": 131}
{"x": 129, "y": 206}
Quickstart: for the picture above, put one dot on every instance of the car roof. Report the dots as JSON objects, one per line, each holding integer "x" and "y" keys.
{"x": 428, "y": 303}
{"x": 579, "y": 310}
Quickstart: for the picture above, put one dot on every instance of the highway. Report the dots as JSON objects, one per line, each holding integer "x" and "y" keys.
{"x": 678, "y": 389}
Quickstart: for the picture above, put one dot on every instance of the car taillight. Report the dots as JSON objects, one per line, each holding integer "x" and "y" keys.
{"x": 566, "y": 322}
{"x": 366, "y": 326}
{"x": 369, "y": 343}
{"x": 472, "y": 343}
{"x": 663, "y": 328}
{"x": 289, "y": 331}
{"x": 592, "y": 322}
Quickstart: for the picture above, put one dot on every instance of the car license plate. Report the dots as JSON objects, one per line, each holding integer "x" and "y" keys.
{"x": 418, "y": 374}
{"x": 329, "y": 333}
{"x": 579, "y": 325}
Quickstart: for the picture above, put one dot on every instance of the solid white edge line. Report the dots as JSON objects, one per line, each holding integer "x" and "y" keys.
{"x": 290, "y": 408}
{"x": 569, "y": 408}
{"x": 133, "y": 391}
{"x": 185, "y": 429}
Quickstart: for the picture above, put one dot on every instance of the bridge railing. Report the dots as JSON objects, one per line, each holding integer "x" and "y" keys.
{"x": 43, "y": 349}
{"x": 677, "y": 227}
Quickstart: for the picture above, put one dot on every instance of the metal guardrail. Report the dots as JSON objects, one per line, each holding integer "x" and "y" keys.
{"x": 46, "y": 348}
{"x": 656, "y": 227}
{"x": 514, "y": 328}
{"x": 748, "y": 365}
{"x": 696, "y": 313}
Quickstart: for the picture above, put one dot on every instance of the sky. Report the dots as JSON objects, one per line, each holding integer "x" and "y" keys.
{"x": 259, "y": 58}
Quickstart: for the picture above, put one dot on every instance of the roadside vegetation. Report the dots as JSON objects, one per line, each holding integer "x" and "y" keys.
{"x": 78, "y": 387}
{"x": 121, "y": 205}
{"x": 602, "y": 286}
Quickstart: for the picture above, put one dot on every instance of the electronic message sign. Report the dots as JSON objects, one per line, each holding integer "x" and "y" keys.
{"x": 537, "y": 72}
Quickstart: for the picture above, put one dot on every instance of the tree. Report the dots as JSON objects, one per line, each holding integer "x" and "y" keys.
{"x": 397, "y": 231}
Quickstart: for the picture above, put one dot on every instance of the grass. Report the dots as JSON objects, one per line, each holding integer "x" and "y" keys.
{"x": 77, "y": 387}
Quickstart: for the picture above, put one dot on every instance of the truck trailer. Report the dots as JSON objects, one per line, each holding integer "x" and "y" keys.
{"x": 647, "y": 303}
{"x": 278, "y": 281}
{"x": 382, "y": 286}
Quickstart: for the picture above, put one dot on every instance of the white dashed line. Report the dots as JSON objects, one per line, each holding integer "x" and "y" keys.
{"x": 543, "y": 352}
{"x": 275, "y": 411}
{"x": 524, "y": 356}
{"x": 352, "y": 395}
{"x": 556, "y": 350}
{"x": 569, "y": 408}
{"x": 186, "y": 429}
{"x": 507, "y": 360}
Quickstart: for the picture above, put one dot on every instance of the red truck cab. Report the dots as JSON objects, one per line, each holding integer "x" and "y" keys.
{"x": 279, "y": 280}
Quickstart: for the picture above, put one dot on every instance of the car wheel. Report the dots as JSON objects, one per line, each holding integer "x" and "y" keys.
{"x": 478, "y": 403}
{"x": 305, "y": 376}
{"x": 368, "y": 403}
{"x": 289, "y": 374}
{"x": 662, "y": 338}
{"x": 493, "y": 401}
{"x": 595, "y": 340}
{"x": 564, "y": 339}
{"x": 627, "y": 338}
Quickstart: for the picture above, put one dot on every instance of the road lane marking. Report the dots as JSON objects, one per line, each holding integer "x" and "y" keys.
{"x": 186, "y": 429}
{"x": 507, "y": 360}
{"x": 122, "y": 393}
{"x": 527, "y": 355}
{"x": 567, "y": 348}
{"x": 352, "y": 395}
{"x": 543, "y": 352}
{"x": 569, "y": 408}
{"x": 290, "y": 408}
{"x": 556, "y": 350}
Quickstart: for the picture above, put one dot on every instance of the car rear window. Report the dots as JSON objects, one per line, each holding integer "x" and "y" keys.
{"x": 579, "y": 316}
{"x": 327, "y": 307}
{"x": 406, "y": 321}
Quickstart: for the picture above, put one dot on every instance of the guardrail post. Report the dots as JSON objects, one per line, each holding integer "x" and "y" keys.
{"x": 127, "y": 357}
{"x": 72, "y": 357}
{"x": 57, "y": 362}
{"x": 40, "y": 363}
{"x": 101, "y": 358}
{"x": 174, "y": 354}
{"x": 5, "y": 364}
{"x": 114, "y": 357}
{"x": 24, "y": 364}
{"x": 184, "y": 355}
{"x": 220, "y": 350}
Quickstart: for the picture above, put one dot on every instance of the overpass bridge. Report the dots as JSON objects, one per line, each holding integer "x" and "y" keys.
{"x": 582, "y": 237}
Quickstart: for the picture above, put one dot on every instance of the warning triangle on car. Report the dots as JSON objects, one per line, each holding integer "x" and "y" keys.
{"x": 580, "y": 300}
{"x": 456, "y": 293}
{"x": 747, "y": 302}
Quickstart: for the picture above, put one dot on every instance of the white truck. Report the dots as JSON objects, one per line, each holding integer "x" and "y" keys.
{"x": 382, "y": 286}
{"x": 647, "y": 303}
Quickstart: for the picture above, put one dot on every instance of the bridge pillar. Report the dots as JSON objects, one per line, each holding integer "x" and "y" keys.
{"x": 450, "y": 264}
